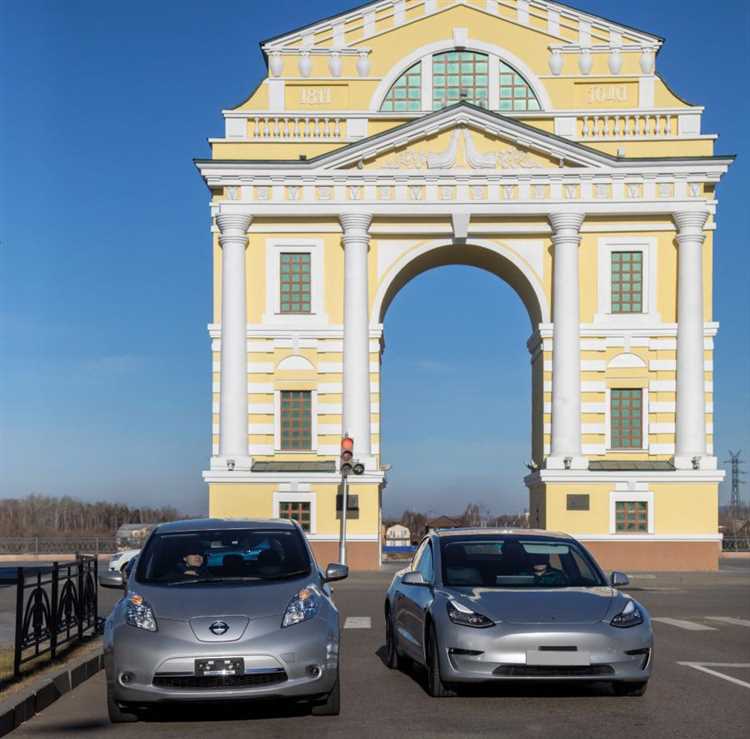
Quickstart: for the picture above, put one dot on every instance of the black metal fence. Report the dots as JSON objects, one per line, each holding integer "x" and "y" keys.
{"x": 55, "y": 545}
{"x": 736, "y": 543}
{"x": 55, "y": 605}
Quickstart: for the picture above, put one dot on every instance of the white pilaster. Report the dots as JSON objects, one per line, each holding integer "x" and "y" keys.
{"x": 356, "y": 416}
{"x": 233, "y": 442}
{"x": 690, "y": 442}
{"x": 565, "y": 450}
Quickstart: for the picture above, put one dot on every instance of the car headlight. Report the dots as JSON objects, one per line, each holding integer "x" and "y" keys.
{"x": 629, "y": 616}
{"x": 139, "y": 613}
{"x": 463, "y": 616}
{"x": 302, "y": 607}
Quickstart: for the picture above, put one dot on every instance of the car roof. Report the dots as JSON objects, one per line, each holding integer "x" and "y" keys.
{"x": 498, "y": 531}
{"x": 228, "y": 524}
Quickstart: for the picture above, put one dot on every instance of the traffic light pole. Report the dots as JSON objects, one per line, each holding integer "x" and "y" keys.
{"x": 344, "y": 509}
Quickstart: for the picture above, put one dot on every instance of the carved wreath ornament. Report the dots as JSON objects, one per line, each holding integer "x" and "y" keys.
{"x": 506, "y": 159}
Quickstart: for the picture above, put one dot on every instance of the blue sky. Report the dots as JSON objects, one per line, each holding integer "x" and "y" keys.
{"x": 105, "y": 260}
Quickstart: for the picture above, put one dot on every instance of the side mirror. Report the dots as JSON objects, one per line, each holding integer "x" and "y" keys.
{"x": 112, "y": 580}
{"x": 414, "y": 578}
{"x": 336, "y": 572}
{"x": 619, "y": 579}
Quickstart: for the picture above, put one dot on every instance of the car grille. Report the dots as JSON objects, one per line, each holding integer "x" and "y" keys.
{"x": 217, "y": 682}
{"x": 553, "y": 671}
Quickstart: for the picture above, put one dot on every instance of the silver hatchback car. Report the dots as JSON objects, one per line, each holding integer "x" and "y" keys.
{"x": 218, "y": 610}
{"x": 482, "y": 605}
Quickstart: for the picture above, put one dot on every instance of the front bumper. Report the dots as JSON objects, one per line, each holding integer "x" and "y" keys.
{"x": 285, "y": 656}
{"x": 583, "y": 652}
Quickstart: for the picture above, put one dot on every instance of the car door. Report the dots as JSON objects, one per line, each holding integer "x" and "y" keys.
{"x": 416, "y": 601}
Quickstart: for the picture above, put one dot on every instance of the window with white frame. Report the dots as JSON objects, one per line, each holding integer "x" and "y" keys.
{"x": 296, "y": 420}
{"x": 631, "y": 512}
{"x": 296, "y": 505}
{"x": 627, "y": 280}
{"x": 626, "y": 418}
{"x": 294, "y": 280}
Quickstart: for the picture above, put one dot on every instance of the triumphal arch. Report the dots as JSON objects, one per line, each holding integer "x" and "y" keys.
{"x": 524, "y": 137}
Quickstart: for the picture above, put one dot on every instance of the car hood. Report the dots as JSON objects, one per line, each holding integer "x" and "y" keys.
{"x": 557, "y": 606}
{"x": 185, "y": 602}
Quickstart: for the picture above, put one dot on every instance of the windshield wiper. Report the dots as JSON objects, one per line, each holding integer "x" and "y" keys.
{"x": 204, "y": 580}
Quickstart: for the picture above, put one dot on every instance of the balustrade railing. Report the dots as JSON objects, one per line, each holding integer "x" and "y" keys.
{"x": 627, "y": 125}
{"x": 297, "y": 128}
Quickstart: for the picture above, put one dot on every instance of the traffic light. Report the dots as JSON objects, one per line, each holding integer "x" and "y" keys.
{"x": 348, "y": 464}
{"x": 347, "y": 454}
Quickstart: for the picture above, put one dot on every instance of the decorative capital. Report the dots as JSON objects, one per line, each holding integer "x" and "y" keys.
{"x": 690, "y": 224}
{"x": 233, "y": 227}
{"x": 566, "y": 226}
{"x": 356, "y": 226}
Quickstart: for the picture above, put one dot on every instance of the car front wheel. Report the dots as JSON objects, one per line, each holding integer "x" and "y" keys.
{"x": 435, "y": 685}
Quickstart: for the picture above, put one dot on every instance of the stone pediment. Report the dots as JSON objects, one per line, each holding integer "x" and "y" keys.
{"x": 463, "y": 137}
{"x": 461, "y": 148}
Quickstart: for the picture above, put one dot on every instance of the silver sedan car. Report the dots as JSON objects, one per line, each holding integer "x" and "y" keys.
{"x": 482, "y": 605}
{"x": 223, "y": 610}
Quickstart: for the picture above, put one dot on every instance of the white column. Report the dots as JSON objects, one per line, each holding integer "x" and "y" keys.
{"x": 233, "y": 443}
{"x": 565, "y": 450}
{"x": 357, "y": 334}
{"x": 690, "y": 442}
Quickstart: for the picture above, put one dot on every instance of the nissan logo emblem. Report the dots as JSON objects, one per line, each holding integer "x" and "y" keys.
{"x": 219, "y": 628}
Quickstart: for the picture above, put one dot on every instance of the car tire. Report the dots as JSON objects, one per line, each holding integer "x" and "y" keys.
{"x": 435, "y": 685}
{"x": 393, "y": 659}
{"x": 631, "y": 689}
{"x": 331, "y": 706}
{"x": 117, "y": 714}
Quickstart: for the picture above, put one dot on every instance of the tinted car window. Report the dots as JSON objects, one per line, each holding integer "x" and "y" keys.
{"x": 505, "y": 562}
{"x": 244, "y": 555}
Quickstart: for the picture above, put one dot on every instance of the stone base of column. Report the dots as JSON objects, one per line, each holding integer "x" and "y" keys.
{"x": 695, "y": 462}
{"x": 566, "y": 463}
{"x": 235, "y": 463}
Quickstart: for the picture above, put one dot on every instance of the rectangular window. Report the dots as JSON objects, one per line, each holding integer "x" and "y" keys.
{"x": 294, "y": 511}
{"x": 626, "y": 418}
{"x": 294, "y": 282}
{"x": 631, "y": 516}
{"x": 627, "y": 282}
{"x": 296, "y": 419}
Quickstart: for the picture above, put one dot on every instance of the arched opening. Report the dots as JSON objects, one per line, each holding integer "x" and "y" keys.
{"x": 461, "y": 413}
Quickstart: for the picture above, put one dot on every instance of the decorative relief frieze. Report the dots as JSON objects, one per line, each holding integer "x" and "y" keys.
{"x": 478, "y": 192}
{"x": 665, "y": 189}
{"x": 695, "y": 189}
{"x": 293, "y": 192}
{"x": 232, "y": 192}
{"x": 355, "y": 192}
{"x": 416, "y": 192}
{"x": 325, "y": 192}
{"x": 447, "y": 192}
{"x": 262, "y": 192}
{"x": 633, "y": 190}
{"x": 602, "y": 190}
{"x": 570, "y": 192}
{"x": 385, "y": 192}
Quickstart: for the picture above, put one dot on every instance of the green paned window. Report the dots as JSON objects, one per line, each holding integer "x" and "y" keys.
{"x": 296, "y": 419}
{"x": 631, "y": 516}
{"x": 626, "y": 418}
{"x": 296, "y": 511}
{"x": 294, "y": 283}
{"x": 627, "y": 282}
{"x": 515, "y": 93}
{"x": 405, "y": 94}
{"x": 459, "y": 75}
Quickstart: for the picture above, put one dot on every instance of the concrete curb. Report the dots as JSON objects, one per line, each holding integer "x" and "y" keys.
{"x": 30, "y": 702}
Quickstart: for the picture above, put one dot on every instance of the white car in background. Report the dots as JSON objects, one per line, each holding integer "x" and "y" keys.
{"x": 120, "y": 560}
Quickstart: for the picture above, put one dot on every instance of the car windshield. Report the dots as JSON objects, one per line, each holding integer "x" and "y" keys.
{"x": 236, "y": 555}
{"x": 517, "y": 562}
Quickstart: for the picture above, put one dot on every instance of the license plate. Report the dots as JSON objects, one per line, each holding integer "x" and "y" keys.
{"x": 220, "y": 666}
{"x": 558, "y": 659}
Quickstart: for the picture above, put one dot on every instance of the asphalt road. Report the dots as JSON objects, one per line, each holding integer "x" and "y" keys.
{"x": 682, "y": 700}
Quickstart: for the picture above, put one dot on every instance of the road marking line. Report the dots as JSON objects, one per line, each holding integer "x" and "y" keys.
{"x": 729, "y": 620}
{"x": 358, "y": 622}
{"x": 687, "y": 625}
{"x": 704, "y": 667}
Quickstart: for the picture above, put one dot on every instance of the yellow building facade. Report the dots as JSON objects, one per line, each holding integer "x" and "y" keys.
{"x": 523, "y": 137}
